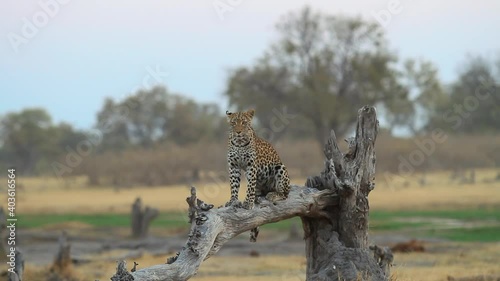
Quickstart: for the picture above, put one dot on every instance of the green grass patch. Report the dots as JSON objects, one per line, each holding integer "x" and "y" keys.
{"x": 460, "y": 214}
{"x": 400, "y": 220}
{"x": 482, "y": 234}
{"x": 166, "y": 220}
{"x": 381, "y": 225}
{"x": 169, "y": 220}
{"x": 379, "y": 221}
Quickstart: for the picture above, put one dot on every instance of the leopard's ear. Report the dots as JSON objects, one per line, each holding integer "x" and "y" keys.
{"x": 251, "y": 113}
{"x": 228, "y": 114}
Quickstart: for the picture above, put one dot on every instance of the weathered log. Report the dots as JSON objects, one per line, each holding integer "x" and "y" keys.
{"x": 333, "y": 207}
{"x": 212, "y": 228}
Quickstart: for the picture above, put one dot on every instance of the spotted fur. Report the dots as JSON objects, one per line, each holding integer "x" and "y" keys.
{"x": 266, "y": 175}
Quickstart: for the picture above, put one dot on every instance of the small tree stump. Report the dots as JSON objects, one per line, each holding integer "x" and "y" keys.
{"x": 141, "y": 218}
{"x": 13, "y": 277}
{"x": 17, "y": 275}
{"x": 62, "y": 267}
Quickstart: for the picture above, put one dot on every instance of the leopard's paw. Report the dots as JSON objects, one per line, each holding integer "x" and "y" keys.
{"x": 275, "y": 196}
{"x": 248, "y": 205}
{"x": 233, "y": 203}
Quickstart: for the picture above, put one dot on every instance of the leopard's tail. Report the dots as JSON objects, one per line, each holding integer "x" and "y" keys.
{"x": 253, "y": 234}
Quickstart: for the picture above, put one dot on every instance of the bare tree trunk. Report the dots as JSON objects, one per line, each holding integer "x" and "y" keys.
{"x": 338, "y": 244}
{"x": 333, "y": 207}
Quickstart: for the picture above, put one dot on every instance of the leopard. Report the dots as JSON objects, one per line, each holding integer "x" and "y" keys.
{"x": 266, "y": 174}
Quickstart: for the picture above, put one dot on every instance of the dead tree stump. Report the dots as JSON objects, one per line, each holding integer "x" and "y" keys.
{"x": 333, "y": 207}
{"x": 337, "y": 244}
{"x": 141, "y": 218}
{"x": 62, "y": 267}
{"x": 13, "y": 277}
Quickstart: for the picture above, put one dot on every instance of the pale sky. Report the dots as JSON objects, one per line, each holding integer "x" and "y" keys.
{"x": 82, "y": 51}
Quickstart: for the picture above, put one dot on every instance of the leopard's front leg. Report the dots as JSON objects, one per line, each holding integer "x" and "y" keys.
{"x": 251, "y": 175}
{"x": 234, "y": 181}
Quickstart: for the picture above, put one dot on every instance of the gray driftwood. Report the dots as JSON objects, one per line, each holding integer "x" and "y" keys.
{"x": 333, "y": 207}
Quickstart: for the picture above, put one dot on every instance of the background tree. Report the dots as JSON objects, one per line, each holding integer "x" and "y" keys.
{"x": 154, "y": 116}
{"x": 112, "y": 125}
{"x": 472, "y": 105}
{"x": 421, "y": 95}
{"x": 191, "y": 122}
{"x": 30, "y": 141}
{"x": 25, "y": 137}
{"x": 138, "y": 120}
{"x": 319, "y": 60}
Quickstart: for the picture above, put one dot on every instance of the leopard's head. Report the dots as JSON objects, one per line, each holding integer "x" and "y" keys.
{"x": 240, "y": 130}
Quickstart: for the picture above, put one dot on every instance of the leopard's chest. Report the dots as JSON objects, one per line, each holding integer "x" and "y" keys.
{"x": 243, "y": 157}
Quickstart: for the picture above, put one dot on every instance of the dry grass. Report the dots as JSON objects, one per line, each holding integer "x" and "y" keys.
{"x": 394, "y": 192}
{"x": 448, "y": 259}
{"x": 50, "y": 195}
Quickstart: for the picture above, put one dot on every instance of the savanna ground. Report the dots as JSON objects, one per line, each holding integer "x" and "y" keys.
{"x": 460, "y": 224}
